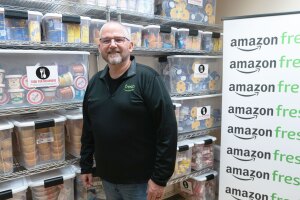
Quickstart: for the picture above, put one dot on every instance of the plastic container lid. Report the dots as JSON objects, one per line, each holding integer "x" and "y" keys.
{"x": 25, "y": 121}
{"x": 207, "y": 176}
{"x": 207, "y": 32}
{"x": 152, "y": 26}
{"x": 13, "y": 76}
{"x": 184, "y": 143}
{"x": 85, "y": 18}
{"x": 38, "y": 179}
{"x": 5, "y": 125}
{"x": 2, "y": 70}
{"x": 203, "y": 140}
{"x": 74, "y": 114}
{"x": 132, "y": 25}
{"x": 177, "y": 105}
{"x": 17, "y": 185}
{"x": 183, "y": 29}
{"x": 52, "y": 15}
{"x": 98, "y": 20}
{"x": 35, "y": 13}
{"x": 15, "y": 90}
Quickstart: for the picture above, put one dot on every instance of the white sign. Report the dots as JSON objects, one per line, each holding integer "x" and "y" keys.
{"x": 260, "y": 152}
{"x": 196, "y": 2}
{"x": 42, "y": 76}
{"x": 203, "y": 113}
{"x": 201, "y": 71}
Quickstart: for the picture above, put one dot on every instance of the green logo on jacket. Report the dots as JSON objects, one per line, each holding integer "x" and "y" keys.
{"x": 129, "y": 88}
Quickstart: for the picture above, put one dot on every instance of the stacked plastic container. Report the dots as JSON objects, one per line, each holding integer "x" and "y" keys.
{"x": 14, "y": 189}
{"x": 6, "y": 154}
{"x": 183, "y": 158}
{"x": 198, "y": 113}
{"x": 34, "y": 77}
{"x": 135, "y": 32}
{"x": 194, "y": 74}
{"x": 65, "y": 28}
{"x": 53, "y": 185}
{"x": 95, "y": 27}
{"x": 202, "y": 187}
{"x": 203, "y": 152}
{"x": 40, "y": 139}
{"x": 20, "y": 25}
{"x": 73, "y": 132}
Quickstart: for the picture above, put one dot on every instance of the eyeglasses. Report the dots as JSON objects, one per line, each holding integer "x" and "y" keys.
{"x": 117, "y": 40}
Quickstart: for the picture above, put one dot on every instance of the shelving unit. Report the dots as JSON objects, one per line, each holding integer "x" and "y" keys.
{"x": 71, "y": 8}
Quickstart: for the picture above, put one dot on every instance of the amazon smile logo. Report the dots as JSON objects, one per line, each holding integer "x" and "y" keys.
{"x": 253, "y": 44}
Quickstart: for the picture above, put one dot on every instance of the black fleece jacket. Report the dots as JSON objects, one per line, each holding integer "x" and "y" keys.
{"x": 133, "y": 132}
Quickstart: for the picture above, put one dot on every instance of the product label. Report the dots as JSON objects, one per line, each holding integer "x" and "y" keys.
{"x": 44, "y": 138}
{"x": 201, "y": 70}
{"x": 196, "y": 2}
{"x": 203, "y": 113}
{"x": 186, "y": 186}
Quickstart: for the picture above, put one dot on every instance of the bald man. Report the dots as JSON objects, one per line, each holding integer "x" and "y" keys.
{"x": 129, "y": 124}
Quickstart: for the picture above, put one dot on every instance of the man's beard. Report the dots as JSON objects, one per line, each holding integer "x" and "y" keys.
{"x": 115, "y": 59}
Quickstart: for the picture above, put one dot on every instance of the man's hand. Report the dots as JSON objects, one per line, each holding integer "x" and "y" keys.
{"x": 87, "y": 180}
{"x": 154, "y": 191}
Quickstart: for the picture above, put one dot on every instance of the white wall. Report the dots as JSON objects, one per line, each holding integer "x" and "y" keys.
{"x": 227, "y": 8}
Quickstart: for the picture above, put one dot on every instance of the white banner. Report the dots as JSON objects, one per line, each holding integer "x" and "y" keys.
{"x": 260, "y": 148}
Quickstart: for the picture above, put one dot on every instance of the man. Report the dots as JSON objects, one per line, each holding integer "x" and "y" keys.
{"x": 129, "y": 124}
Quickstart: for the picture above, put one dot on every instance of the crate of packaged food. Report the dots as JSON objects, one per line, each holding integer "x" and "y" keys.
{"x": 188, "y": 74}
{"x": 14, "y": 189}
{"x": 155, "y": 36}
{"x": 189, "y": 39}
{"x": 203, "y": 152}
{"x": 66, "y": 28}
{"x": 40, "y": 139}
{"x": 201, "y": 11}
{"x": 20, "y": 25}
{"x": 54, "y": 184}
{"x": 200, "y": 187}
{"x": 183, "y": 158}
{"x": 198, "y": 113}
{"x": 135, "y": 32}
{"x": 35, "y": 77}
{"x": 6, "y": 154}
{"x": 95, "y": 191}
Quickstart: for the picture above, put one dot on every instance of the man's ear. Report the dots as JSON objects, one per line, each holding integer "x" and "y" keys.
{"x": 130, "y": 47}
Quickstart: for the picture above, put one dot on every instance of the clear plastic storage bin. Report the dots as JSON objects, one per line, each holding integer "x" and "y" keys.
{"x": 203, "y": 152}
{"x": 36, "y": 77}
{"x": 207, "y": 41}
{"x": 194, "y": 40}
{"x": 73, "y": 132}
{"x": 53, "y": 185}
{"x": 6, "y": 155}
{"x": 198, "y": 113}
{"x": 20, "y": 25}
{"x": 95, "y": 192}
{"x": 40, "y": 139}
{"x": 95, "y": 27}
{"x": 202, "y": 187}
{"x": 145, "y": 6}
{"x": 15, "y": 189}
{"x": 89, "y": 2}
{"x": 167, "y": 37}
{"x": 64, "y": 28}
{"x": 150, "y": 36}
{"x": 182, "y": 38}
{"x": 194, "y": 74}
{"x": 183, "y": 158}
{"x": 200, "y": 11}
{"x": 135, "y": 32}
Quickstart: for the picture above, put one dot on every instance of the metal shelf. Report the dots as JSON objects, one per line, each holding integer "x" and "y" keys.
{"x": 202, "y": 95}
{"x": 20, "y": 171}
{"x": 192, "y": 174}
{"x": 75, "y": 8}
{"x": 40, "y": 108}
{"x": 197, "y": 133}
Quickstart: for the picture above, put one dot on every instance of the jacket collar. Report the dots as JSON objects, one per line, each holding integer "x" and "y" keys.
{"x": 130, "y": 72}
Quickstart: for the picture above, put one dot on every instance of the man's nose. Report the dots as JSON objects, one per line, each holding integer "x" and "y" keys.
{"x": 113, "y": 43}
